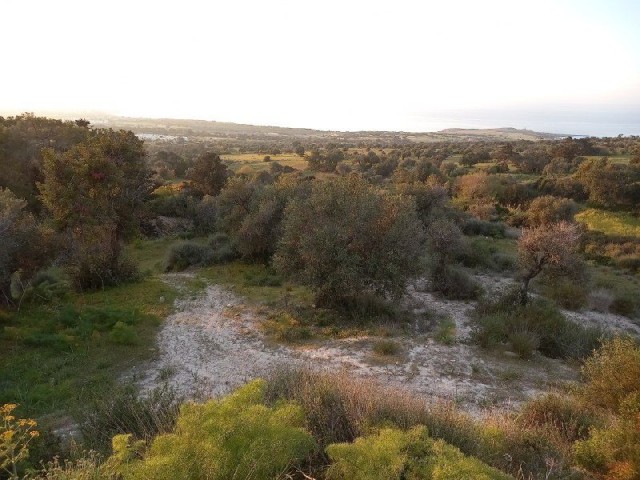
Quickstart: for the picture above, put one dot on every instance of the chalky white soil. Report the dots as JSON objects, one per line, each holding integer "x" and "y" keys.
{"x": 213, "y": 343}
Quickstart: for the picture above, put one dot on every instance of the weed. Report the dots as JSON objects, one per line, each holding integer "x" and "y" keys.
{"x": 386, "y": 347}
{"x": 446, "y": 332}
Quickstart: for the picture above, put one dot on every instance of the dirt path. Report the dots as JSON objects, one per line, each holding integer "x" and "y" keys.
{"x": 213, "y": 343}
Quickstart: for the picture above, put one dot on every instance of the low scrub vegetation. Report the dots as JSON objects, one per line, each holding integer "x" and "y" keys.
{"x": 538, "y": 325}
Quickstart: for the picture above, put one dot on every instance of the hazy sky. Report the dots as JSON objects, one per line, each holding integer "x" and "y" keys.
{"x": 321, "y": 64}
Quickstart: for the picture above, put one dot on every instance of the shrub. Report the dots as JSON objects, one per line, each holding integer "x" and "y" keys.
{"x": 475, "y": 226}
{"x": 548, "y": 209}
{"x": 566, "y": 293}
{"x": 524, "y": 343}
{"x": 180, "y": 205}
{"x": 565, "y": 414}
{"x": 455, "y": 284}
{"x": 613, "y": 452}
{"x": 386, "y": 347}
{"x": 124, "y": 410}
{"x": 123, "y": 334}
{"x": 446, "y": 331}
{"x": 483, "y": 253}
{"x": 187, "y": 254}
{"x": 624, "y": 305}
{"x": 348, "y": 238}
{"x": 394, "y": 454}
{"x": 206, "y": 215}
{"x": 600, "y": 300}
{"x": 498, "y": 319}
{"x": 221, "y": 249}
{"x": 235, "y": 437}
{"x": 612, "y": 373}
{"x": 340, "y": 409}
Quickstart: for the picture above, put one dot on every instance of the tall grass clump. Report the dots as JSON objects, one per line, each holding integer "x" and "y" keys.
{"x": 124, "y": 410}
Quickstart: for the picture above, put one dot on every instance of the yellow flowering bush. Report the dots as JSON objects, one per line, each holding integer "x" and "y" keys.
{"x": 15, "y": 436}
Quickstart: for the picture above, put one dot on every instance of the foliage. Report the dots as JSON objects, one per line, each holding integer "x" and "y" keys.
{"x": 235, "y": 437}
{"x": 96, "y": 192}
{"x": 394, "y": 454}
{"x": 187, "y": 254}
{"x": 102, "y": 181}
{"x": 567, "y": 293}
{"x": 612, "y": 373}
{"x": 346, "y": 238}
{"x": 548, "y": 209}
{"x": 386, "y": 347}
{"x": 506, "y": 320}
{"x": 124, "y": 410}
{"x": 22, "y": 139}
{"x": 475, "y": 226}
{"x": 567, "y": 415}
{"x": 455, "y": 284}
{"x": 208, "y": 174}
{"x": 446, "y": 331}
{"x": 15, "y": 436}
{"x": 54, "y": 357}
{"x": 612, "y": 377}
{"x": 26, "y": 246}
{"x": 550, "y": 249}
{"x": 610, "y": 223}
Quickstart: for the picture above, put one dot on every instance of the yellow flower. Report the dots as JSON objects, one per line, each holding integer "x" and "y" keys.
{"x": 9, "y": 418}
{"x": 7, "y": 408}
{"x": 34, "y": 433}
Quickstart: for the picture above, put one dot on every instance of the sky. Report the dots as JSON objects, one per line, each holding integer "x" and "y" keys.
{"x": 341, "y": 65}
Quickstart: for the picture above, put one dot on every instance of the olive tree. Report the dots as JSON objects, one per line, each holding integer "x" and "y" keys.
{"x": 347, "y": 238}
{"x": 95, "y": 191}
{"x": 549, "y": 249}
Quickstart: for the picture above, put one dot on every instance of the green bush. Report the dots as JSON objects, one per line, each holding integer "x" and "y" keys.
{"x": 524, "y": 343}
{"x": 567, "y": 415}
{"x": 186, "y": 255}
{"x": 497, "y": 321}
{"x": 386, "y": 347}
{"x": 455, "y": 284}
{"x": 235, "y": 437}
{"x": 446, "y": 331}
{"x": 45, "y": 286}
{"x": 612, "y": 373}
{"x": 348, "y": 238}
{"x": 123, "y": 334}
{"x": 396, "y": 454}
{"x": 124, "y": 410}
{"x": 475, "y": 226}
{"x": 566, "y": 293}
{"x": 624, "y": 305}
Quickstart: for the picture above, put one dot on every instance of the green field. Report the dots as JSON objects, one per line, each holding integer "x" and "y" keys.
{"x": 610, "y": 223}
{"x": 255, "y": 161}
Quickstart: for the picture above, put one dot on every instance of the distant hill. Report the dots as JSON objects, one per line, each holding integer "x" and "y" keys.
{"x": 207, "y": 129}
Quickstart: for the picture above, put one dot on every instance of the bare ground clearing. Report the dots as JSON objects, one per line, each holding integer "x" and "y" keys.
{"x": 213, "y": 343}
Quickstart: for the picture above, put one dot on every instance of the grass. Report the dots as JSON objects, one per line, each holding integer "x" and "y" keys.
{"x": 150, "y": 255}
{"x": 446, "y": 331}
{"x": 386, "y": 347}
{"x": 54, "y": 357}
{"x": 256, "y": 162}
{"x": 256, "y": 283}
{"x": 610, "y": 223}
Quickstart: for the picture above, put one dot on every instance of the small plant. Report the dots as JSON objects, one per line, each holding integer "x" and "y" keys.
{"x": 624, "y": 305}
{"x": 524, "y": 343}
{"x": 446, "y": 332}
{"x": 15, "y": 437}
{"x": 386, "y": 347}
